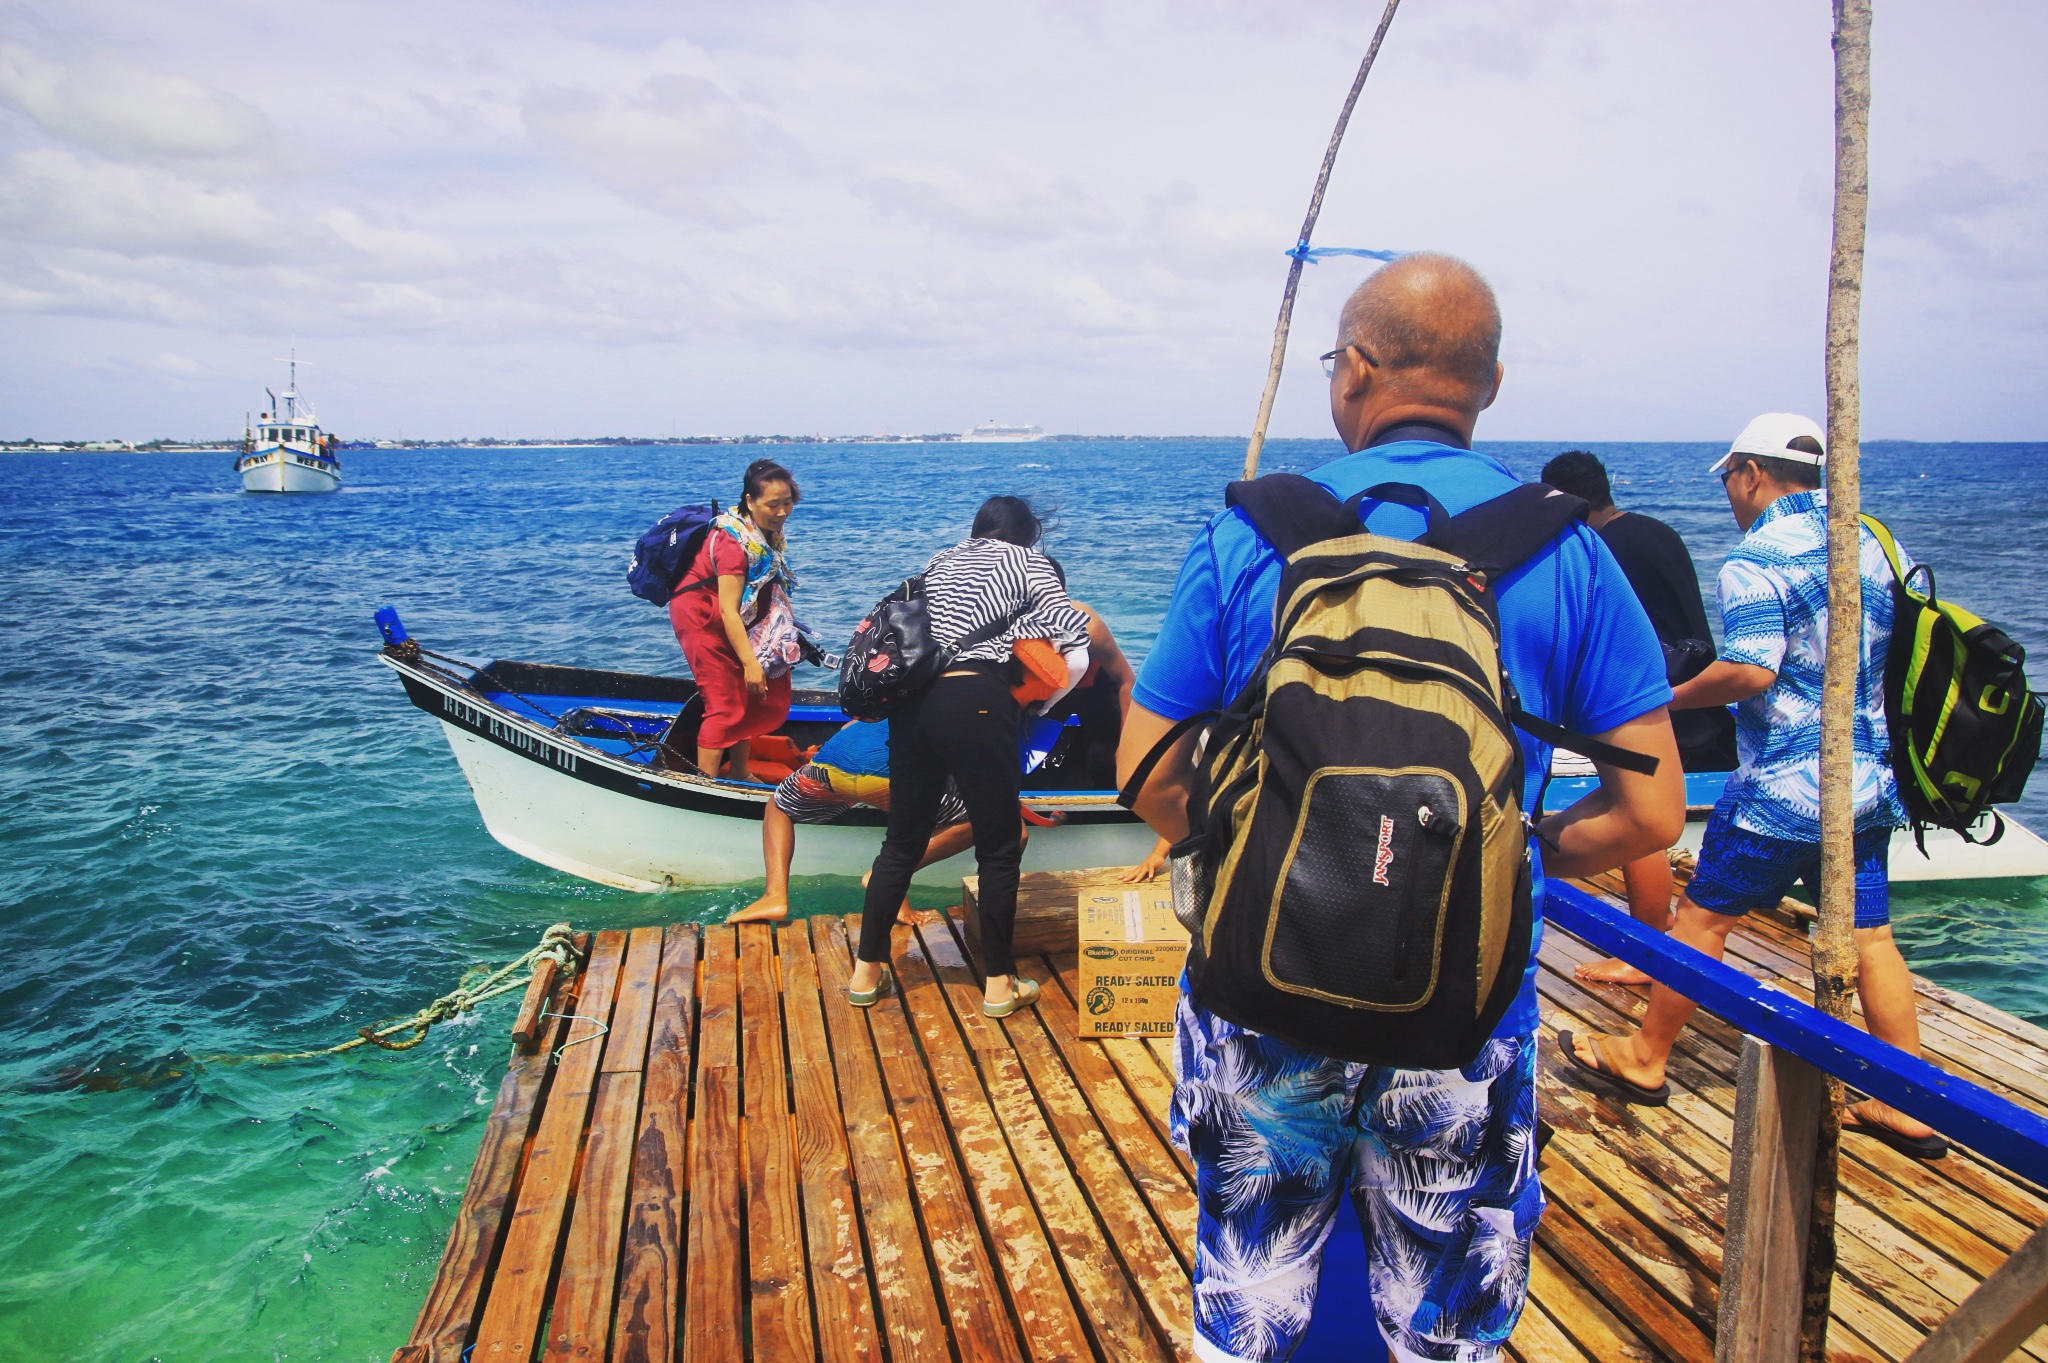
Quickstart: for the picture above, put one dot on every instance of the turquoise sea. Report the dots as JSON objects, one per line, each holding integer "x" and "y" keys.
{"x": 225, "y": 830}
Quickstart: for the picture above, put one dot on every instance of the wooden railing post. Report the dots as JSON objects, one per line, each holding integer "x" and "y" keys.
{"x": 1995, "y": 1319}
{"x": 1779, "y": 1100}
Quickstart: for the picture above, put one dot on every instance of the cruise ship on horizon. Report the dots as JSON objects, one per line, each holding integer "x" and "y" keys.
{"x": 989, "y": 432}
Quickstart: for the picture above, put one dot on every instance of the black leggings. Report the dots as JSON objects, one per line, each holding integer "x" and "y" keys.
{"x": 964, "y": 727}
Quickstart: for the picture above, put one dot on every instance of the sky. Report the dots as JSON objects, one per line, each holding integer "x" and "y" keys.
{"x": 610, "y": 218}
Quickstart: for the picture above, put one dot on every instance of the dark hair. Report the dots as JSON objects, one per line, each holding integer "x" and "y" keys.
{"x": 1579, "y": 473}
{"x": 759, "y": 475}
{"x": 1010, "y": 519}
{"x": 1790, "y": 472}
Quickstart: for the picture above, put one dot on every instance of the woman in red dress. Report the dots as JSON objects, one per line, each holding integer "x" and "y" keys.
{"x": 739, "y": 587}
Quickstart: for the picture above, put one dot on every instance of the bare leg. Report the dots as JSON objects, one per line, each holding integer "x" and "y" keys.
{"x": 778, "y": 846}
{"x": 709, "y": 760}
{"x": 1648, "y": 880}
{"x": 1639, "y": 1058}
{"x": 738, "y": 757}
{"x": 1885, "y": 987}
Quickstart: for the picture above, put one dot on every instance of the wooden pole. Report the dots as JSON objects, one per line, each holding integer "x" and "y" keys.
{"x": 1834, "y": 943}
{"x": 1308, "y": 227}
{"x": 1779, "y": 1100}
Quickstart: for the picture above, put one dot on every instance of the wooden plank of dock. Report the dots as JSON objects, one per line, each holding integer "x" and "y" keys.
{"x": 745, "y": 1167}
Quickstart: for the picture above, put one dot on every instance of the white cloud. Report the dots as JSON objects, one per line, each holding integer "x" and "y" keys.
{"x": 671, "y": 144}
{"x": 139, "y": 115}
{"x": 55, "y": 198}
{"x": 1009, "y": 200}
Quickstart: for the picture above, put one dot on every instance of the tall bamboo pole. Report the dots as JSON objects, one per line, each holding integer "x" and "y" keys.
{"x": 1834, "y": 943}
{"x": 1308, "y": 227}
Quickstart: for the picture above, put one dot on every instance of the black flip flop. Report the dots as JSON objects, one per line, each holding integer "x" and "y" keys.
{"x": 1629, "y": 1092}
{"x": 1918, "y": 1147}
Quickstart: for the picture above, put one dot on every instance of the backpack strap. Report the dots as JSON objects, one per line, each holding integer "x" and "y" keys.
{"x": 1128, "y": 796}
{"x": 1291, "y": 512}
{"x": 1434, "y": 516}
{"x": 1503, "y": 531}
{"x": 1882, "y": 533}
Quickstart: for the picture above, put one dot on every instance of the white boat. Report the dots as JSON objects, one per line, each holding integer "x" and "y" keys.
{"x": 990, "y": 432}
{"x": 560, "y": 761}
{"x": 2019, "y": 851}
{"x": 286, "y": 451}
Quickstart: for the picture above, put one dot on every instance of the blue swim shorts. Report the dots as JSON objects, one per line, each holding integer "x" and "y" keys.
{"x": 1440, "y": 1165}
{"x": 1739, "y": 870}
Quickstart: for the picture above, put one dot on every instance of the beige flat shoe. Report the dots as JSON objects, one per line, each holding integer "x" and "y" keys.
{"x": 1026, "y": 994}
{"x": 867, "y": 998}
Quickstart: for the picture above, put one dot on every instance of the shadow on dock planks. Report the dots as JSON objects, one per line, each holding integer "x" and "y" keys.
{"x": 745, "y": 1167}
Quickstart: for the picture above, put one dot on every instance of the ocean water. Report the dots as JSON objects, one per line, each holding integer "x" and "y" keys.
{"x": 225, "y": 829}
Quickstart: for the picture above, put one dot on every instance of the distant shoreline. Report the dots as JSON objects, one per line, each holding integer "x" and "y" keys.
{"x": 622, "y": 442}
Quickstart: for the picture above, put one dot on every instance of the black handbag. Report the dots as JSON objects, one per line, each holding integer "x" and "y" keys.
{"x": 893, "y": 654}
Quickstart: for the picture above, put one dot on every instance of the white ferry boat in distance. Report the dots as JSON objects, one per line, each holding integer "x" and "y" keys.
{"x": 989, "y": 432}
{"x": 286, "y": 451}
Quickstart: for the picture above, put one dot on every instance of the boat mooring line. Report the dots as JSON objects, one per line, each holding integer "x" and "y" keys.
{"x": 556, "y": 944}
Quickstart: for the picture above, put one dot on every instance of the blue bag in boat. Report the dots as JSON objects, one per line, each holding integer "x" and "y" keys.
{"x": 665, "y": 553}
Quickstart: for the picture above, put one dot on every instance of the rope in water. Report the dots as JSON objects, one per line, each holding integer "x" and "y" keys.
{"x": 555, "y": 945}
{"x": 1301, "y": 251}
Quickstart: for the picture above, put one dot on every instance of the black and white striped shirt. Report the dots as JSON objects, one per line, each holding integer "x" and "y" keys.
{"x": 981, "y": 581}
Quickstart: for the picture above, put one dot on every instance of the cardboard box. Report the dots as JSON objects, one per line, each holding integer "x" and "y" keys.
{"x": 1132, "y": 950}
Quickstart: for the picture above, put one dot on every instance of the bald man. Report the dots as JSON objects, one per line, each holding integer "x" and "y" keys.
{"x": 1441, "y": 1164}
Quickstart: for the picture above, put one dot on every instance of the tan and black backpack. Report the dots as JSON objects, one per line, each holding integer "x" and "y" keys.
{"x": 1356, "y": 877}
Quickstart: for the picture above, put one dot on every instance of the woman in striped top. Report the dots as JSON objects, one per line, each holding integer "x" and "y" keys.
{"x": 984, "y": 594}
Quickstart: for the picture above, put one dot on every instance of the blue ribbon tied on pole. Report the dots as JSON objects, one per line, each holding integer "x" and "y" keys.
{"x": 1301, "y": 250}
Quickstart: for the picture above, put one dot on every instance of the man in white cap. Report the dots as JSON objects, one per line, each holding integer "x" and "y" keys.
{"x": 1764, "y": 835}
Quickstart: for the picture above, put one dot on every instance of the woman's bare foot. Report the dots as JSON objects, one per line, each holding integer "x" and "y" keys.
{"x": 769, "y": 908}
{"x": 1610, "y": 971}
{"x": 916, "y": 918}
{"x": 1873, "y": 1113}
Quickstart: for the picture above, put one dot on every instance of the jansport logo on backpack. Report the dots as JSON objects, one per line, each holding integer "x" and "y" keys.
{"x": 665, "y": 552}
{"x": 1359, "y": 854}
{"x": 1965, "y": 731}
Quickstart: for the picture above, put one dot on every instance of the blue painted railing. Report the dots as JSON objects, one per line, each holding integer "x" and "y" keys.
{"x": 1997, "y": 1128}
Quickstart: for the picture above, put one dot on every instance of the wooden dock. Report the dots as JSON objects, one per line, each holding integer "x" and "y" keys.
{"x": 728, "y": 1162}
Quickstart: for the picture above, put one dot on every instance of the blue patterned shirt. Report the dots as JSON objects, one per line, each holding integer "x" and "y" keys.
{"x": 1774, "y": 615}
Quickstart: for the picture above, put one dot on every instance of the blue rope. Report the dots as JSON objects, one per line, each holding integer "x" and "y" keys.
{"x": 1301, "y": 250}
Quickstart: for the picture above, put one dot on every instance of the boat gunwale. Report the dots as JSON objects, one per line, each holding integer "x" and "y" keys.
{"x": 701, "y": 794}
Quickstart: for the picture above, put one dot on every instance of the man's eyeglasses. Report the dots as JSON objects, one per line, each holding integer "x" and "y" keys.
{"x": 1330, "y": 360}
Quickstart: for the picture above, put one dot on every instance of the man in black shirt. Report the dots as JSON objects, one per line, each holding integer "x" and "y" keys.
{"x": 1658, "y": 567}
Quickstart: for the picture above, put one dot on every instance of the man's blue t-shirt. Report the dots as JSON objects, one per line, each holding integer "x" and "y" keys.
{"x": 858, "y": 749}
{"x": 1574, "y": 638}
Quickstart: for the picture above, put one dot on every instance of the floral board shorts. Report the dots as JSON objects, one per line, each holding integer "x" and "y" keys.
{"x": 1440, "y": 1164}
{"x": 819, "y": 793}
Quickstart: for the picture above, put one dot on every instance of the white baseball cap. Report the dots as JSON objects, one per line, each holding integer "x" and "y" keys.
{"x": 1771, "y": 435}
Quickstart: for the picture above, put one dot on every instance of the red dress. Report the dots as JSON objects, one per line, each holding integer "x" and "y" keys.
{"x": 730, "y": 714}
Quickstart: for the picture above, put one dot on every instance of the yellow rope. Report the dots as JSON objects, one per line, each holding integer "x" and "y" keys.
{"x": 555, "y": 945}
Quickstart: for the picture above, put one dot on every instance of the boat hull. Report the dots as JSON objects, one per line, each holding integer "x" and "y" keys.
{"x": 286, "y": 473}
{"x": 596, "y": 815}
{"x": 548, "y": 816}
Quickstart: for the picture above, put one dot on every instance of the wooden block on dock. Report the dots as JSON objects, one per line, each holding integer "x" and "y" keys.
{"x": 1048, "y": 910}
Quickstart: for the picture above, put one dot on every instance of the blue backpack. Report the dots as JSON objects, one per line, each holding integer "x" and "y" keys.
{"x": 665, "y": 553}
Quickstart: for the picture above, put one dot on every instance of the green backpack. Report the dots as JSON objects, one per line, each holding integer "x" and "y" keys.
{"x": 1965, "y": 731}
